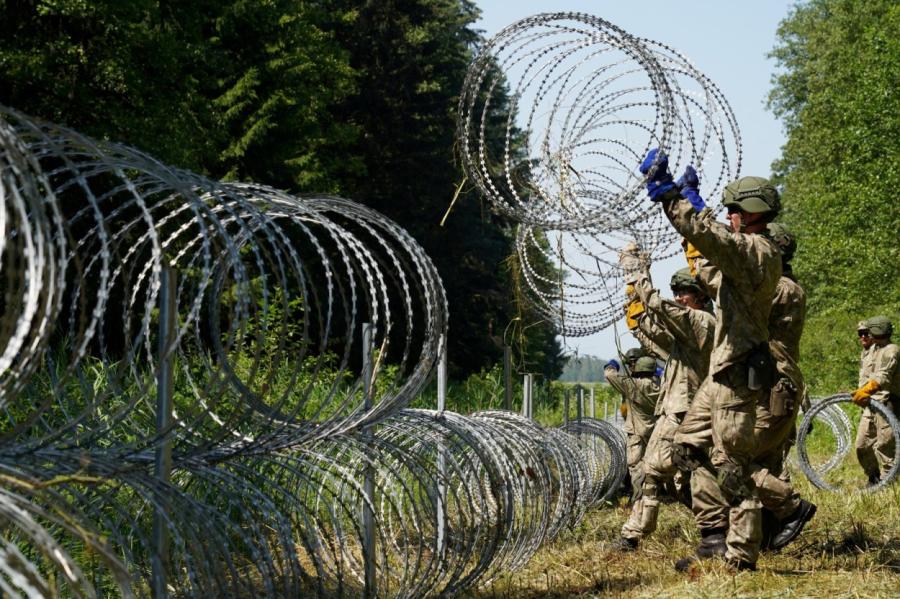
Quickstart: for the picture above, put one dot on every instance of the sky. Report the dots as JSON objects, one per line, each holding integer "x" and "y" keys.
{"x": 725, "y": 39}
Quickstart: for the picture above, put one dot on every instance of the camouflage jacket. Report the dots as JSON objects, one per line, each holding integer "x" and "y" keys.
{"x": 865, "y": 365}
{"x": 652, "y": 336}
{"x": 749, "y": 267}
{"x": 883, "y": 362}
{"x": 691, "y": 332}
{"x": 641, "y": 395}
{"x": 785, "y": 328}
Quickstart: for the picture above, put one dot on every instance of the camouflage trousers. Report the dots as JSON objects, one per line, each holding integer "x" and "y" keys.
{"x": 767, "y": 440}
{"x": 722, "y": 418}
{"x": 635, "y": 447}
{"x": 658, "y": 468}
{"x": 875, "y": 443}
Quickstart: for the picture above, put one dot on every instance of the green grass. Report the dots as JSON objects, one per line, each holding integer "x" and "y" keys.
{"x": 850, "y": 549}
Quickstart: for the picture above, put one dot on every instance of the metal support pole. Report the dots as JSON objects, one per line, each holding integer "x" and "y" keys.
{"x": 579, "y": 406}
{"x": 165, "y": 390}
{"x": 527, "y": 407}
{"x": 368, "y": 548}
{"x": 507, "y": 378}
{"x": 441, "y": 458}
{"x": 565, "y": 407}
{"x": 591, "y": 405}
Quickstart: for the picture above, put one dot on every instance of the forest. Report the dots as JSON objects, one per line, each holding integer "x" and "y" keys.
{"x": 359, "y": 99}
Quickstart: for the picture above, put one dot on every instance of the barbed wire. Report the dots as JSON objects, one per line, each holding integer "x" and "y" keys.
{"x": 579, "y": 103}
{"x": 276, "y": 430}
{"x": 830, "y": 404}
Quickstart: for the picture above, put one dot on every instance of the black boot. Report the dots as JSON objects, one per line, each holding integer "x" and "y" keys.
{"x": 793, "y": 525}
{"x": 874, "y": 479}
{"x": 625, "y": 545}
{"x": 712, "y": 543}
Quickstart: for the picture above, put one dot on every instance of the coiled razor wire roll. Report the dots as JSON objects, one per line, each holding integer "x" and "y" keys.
{"x": 815, "y": 475}
{"x": 271, "y": 441}
{"x": 272, "y": 288}
{"x": 610, "y": 472}
{"x": 841, "y": 428}
{"x": 586, "y": 102}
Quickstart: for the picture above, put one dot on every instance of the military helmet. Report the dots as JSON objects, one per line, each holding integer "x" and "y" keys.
{"x": 683, "y": 280}
{"x": 880, "y": 326}
{"x": 633, "y": 354}
{"x": 644, "y": 365}
{"x": 752, "y": 194}
{"x": 784, "y": 238}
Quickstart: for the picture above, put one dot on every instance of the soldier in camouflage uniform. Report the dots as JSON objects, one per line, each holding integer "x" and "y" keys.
{"x": 690, "y": 328}
{"x": 741, "y": 372}
{"x": 776, "y": 421}
{"x": 879, "y": 380}
{"x": 641, "y": 393}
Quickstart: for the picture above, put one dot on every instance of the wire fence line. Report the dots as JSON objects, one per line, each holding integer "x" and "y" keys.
{"x": 282, "y": 460}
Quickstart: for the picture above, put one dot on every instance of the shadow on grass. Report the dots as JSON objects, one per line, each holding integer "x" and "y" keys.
{"x": 602, "y": 584}
{"x": 854, "y": 542}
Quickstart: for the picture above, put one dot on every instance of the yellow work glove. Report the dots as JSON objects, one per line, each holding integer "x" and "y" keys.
{"x": 861, "y": 396}
{"x": 623, "y": 409}
{"x": 633, "y": 311}
{"x": 691, "y": 254}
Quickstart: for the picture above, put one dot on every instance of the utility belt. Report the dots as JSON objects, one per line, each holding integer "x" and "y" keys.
{"x": 783, "y": 398}
{"x": 761, "y": 371}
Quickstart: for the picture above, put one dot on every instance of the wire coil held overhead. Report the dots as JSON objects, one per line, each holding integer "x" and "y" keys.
{"x": 586, "y": 102}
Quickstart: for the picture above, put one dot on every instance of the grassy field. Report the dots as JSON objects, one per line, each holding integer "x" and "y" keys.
{"x": 850, "y": 549}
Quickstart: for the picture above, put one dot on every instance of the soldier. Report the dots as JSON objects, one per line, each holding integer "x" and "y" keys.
{"x": 741, "y": 372}
{"x": 641, "y": 392}
{"x": 776, "y": 419}
{"x": 879, "y": 380}
{"x": 690, "y": 327}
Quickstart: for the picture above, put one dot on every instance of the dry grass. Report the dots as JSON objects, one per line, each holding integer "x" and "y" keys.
{"x": 850, "y": 549}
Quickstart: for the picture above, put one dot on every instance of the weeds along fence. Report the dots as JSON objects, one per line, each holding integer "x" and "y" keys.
{"x": 204, "y": 390}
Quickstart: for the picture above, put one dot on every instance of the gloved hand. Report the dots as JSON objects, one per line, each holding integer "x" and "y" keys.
{"x": 623, "y": 410}
{"x": 688, "y": 183}
{"x": 659, "y": 371}
{"x": 633, "y": 262}
{"x": 614, "y": 365}
{"x": 861, "y": 396}
{"x": 691, "y": 254}
{"x": 661, "y": 180}
{"x": 633, "y": 312}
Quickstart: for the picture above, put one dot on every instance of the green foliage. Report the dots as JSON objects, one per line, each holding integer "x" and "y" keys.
{"x": 837, "y": 95}
{"x": 584, "y": 369}
{"x": 357, "y": 99}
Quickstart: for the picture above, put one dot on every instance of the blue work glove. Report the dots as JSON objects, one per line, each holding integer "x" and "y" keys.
{"x": 659, "y": 371}
{"x": 614, "y": 365}
{"x": 688, "y": 184}
{"x": 661, "y": 181}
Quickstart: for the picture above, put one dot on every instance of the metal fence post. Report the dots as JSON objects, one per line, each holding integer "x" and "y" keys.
{"x": 527, "y": 392}
{"x": 565, "y": 407}
{"x": 591, "y": 405}
{"x": 507, "y": 378}
{"x": 368, "y": 548}
{"x": 441, "y": 458}
{"x": 165, "y": 389}
{"x": 579, "y": 407}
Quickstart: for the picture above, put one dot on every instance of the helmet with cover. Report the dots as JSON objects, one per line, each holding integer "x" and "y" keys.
{"x": 880, "y": 326}
{"x": 633, "y": 354}
{"x": 683, "y": 280}
{"x": 753, "y": 195}
{"x": 644, "y": 365}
